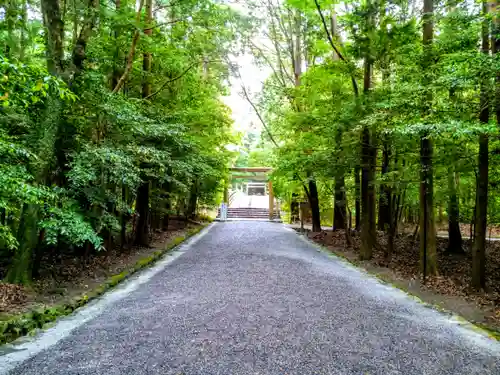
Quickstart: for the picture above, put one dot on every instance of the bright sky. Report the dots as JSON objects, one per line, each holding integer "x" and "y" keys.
{"x": 253, "y": 78}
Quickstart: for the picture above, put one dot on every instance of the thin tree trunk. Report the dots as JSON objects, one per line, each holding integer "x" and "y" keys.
{"x": 142, "y": 209}
{"x": 294, "y": 208}
{"x": 478, "y": 280}
{"x": 428, "y": 254}
{"x": 131, "y": 53}
{"x": 357, "y": 192}
{"x": 79, "y": 50}
{"x": 454, "y": 235}
{"x": 384, "y": 208}
{"x": 147, "y": 58}
{"x": 124, "y": 219}
{"x": 23, "y": 41}
{"x": 339, "y": 211}
{"x": 193, "y": 200}
{"x": 142, "y": 236}
{"x": 314, "y": 204}
{"x": 368, "y": 155}
{"x": 118, "y": 56}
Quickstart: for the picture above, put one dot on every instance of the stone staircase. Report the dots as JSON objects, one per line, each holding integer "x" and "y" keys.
{"x": 248, "y": 213}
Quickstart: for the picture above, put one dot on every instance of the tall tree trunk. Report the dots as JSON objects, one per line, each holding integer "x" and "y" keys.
{"x": 193, "y": 200}
{"x": 23, "y": 41}
{"x": 357, "y": 192}
{"x": 454, "y": 235}
{"x": 79, "y": 54}
{"x": 54, "y": 26}
{"x": 125, "y": 217}
{"x": 118, "y": 55}
{"x": 142, "y": 208}
{"x": 368, "y": 156}
{"x": 495, "y": 48}
{"x": 367, "y": 197}
{"x": 478, "y": 248}
{"x": 428, "y": 254}
{"x": 20, "y": 270}
{"x": 294, "y": 208}
{"x": 147, "y": 58}
{"x": 340, "y": 204}
{"x": 384, "y": 209}
{"x": 340, "y": 212}
{"x": 314, "y": 204}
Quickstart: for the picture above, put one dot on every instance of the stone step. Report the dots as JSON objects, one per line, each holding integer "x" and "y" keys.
{"x": 248, "y": 213}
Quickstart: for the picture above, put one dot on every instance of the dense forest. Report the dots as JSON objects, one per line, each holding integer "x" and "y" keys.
{"x": 388, "y": 111}
{"x": 112, "y": 119}
{"x": 111, "y": 122}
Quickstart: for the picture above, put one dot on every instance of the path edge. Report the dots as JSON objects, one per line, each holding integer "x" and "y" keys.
{"x": 454, "y": 317}
{"x": 76, "y": 311}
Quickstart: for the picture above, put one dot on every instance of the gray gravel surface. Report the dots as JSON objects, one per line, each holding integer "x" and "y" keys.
{"x": 254, "y": 298}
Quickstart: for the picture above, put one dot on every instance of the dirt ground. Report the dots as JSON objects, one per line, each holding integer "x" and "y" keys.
{"x": 65, "y": 276}
{"x": 450, "y": 290}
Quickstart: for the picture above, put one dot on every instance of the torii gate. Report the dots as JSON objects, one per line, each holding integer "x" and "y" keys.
{"x": 262, "y": 170}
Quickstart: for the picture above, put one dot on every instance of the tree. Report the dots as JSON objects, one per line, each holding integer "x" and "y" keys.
{"x": 427, "y": 223}
{"x": 478, "y": 248}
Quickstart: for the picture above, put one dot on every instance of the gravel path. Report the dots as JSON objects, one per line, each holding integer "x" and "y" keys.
{"x": 255, "y": 298}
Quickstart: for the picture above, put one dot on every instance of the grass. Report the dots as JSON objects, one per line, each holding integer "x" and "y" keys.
{"x": 15, "y": 326}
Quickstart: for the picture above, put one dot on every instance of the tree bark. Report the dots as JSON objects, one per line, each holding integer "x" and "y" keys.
{"x": 79, "y": 49}
{"x": 357, "y": 191}
{"x": 478, "y": 280}
{"x": 340, "y": 212}
{"x": 125, "y": 217}
{"x": 294, "y": 208}
{"x": 20, "y": 270}
{"x": 454, "y": 235}
{"x": 142, "y": 206}
{"x": 428, "y": 254}
{"x": 384, "y": 209}
{"x": 54, "y": 26}
{"x": 314, "y": 204}
{"x": 368, "y": 156}
{"x": 193, "y": 200}
{"x": 147, "y": 58}
{"x": 340, "y": 203}
{"x": 142, "y": 209}
{"x": 367, "y": 197}
{"x": 131, "y": 53}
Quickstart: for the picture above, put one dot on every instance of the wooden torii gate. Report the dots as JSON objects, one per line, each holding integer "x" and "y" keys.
{"x": 262, "y": 171}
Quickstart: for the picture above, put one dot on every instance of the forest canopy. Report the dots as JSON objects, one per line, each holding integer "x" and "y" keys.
{"x": 111, "y": 121}
{"x": 386, "y": 113}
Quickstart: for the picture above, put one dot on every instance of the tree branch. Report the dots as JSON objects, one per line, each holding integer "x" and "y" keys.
{"x": 337, "y": 51}
{"x": 171, "y": 80}
{"x": 164, "y": 23}
{"x": 131, "y": 54}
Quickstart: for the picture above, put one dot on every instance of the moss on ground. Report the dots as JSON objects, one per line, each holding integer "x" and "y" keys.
{"x": 13, "y": 327}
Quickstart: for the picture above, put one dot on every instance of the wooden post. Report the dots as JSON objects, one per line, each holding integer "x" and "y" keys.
{"x": 271, "y": 199}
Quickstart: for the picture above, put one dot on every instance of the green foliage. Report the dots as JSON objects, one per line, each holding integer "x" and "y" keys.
{"x": 74, "y": 153}
{"x": 404, "y": 100}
